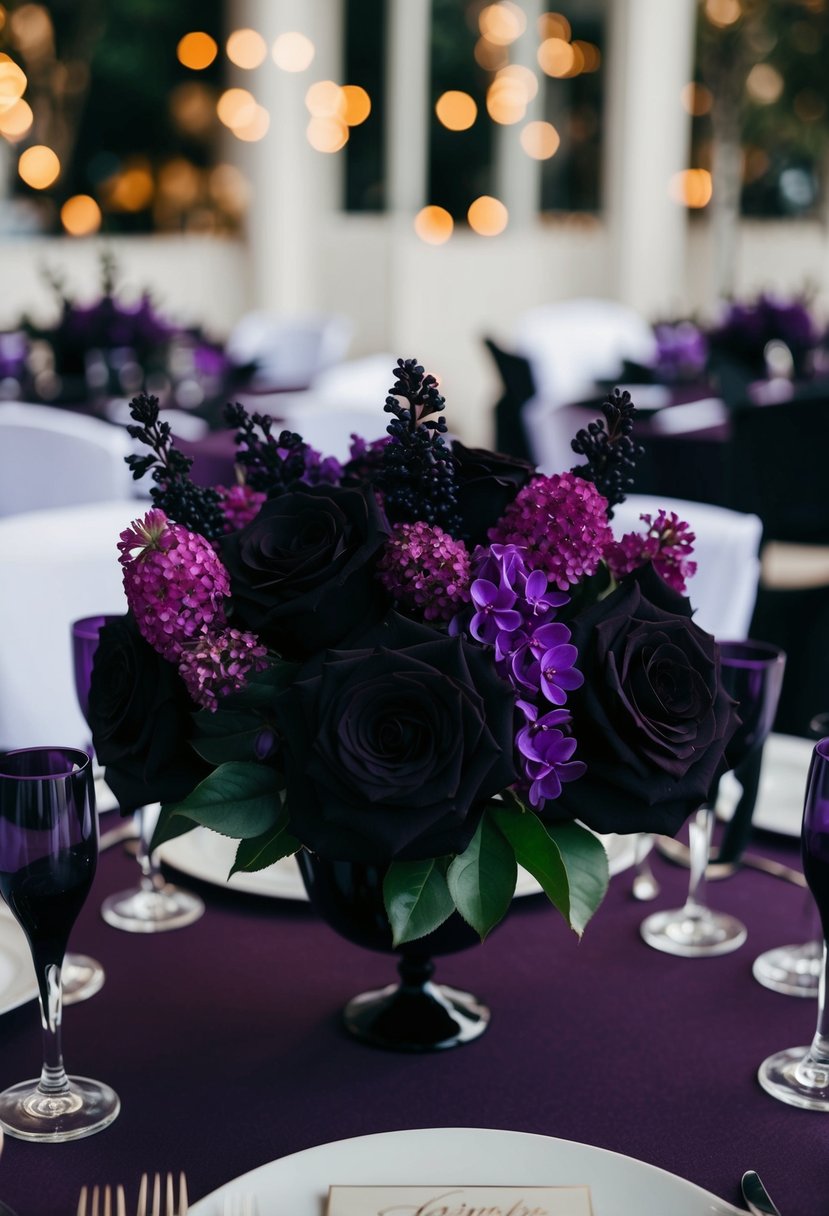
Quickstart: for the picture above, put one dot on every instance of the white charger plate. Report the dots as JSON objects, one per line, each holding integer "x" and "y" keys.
{"x": 17, "y": 974}
{"x": 207, "y": 856}
{"x": 779, "y": 806}
{"x": 619, "y": 1185}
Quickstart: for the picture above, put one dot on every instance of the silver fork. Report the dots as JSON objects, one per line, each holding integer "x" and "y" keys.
{"x": 239, "y": 1205}
{"x": 157, "y": 1198}
{"x": 100, "y": 1201}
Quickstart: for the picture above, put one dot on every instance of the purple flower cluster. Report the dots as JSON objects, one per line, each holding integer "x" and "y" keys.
{"x": 667, "y": 543}
{"x": 681, "y": 351}
{"x": 240, "y": 504}
{"x": 514, "y": 613}
{"x": 561, "y": 522}
{"x": 426, "y": 571}
{"x": 176, "y": 586}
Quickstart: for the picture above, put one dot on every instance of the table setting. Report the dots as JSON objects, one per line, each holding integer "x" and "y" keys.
{"x": 434, "y": 727}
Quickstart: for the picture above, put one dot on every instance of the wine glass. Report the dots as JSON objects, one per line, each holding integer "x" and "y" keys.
{"x": 154, "y": 905}
{"x": 800, "y": 1075}
{"x": 48, "y": 855}
{"x": 752, "y": 672}
{"x": 796, "y": 970}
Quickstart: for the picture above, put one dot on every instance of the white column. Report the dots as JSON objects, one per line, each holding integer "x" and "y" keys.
{"x": 517, "y": 175}
{"x": 408, "y": 78}
{"x": 293, "y": 186}
{"x": 647, "y": 139}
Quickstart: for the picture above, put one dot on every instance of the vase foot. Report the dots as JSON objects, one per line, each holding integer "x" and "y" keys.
{"x": 428, "y": 1018}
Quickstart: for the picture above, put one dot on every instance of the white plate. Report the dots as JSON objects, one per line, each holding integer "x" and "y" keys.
{"x": 619, "y": 1186}
{"x": 779, "y": 806}
{"x": 207, "y": 856}
{"x": 17, "y": 975}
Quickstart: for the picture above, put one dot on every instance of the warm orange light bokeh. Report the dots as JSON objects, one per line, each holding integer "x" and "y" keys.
{"x": 489, "y": 56}
{"x": 502, "y": 23}
{"x": 723, "y": 12}
{"x": 293, "y": 52}
{"x": 131, "y": 190}
{"x": 16, "y": 121}
{"x": 197, "y": 50}
{"x": 325, "y": 99}
{"x": 506, "y": 101}
{"x": 39, "y": 167}
{"x": 696, "y": 99}
{"x": 525, "y": 78}
{"x": 236, "y": 107}
{"x": 554, "y": 25}
{"x": 434, "y": 225}
{"x": 540, "y": 140}
{"x": 80, "y": 215}
{"x": 12, "y": 83}
{"x": 691, "y": 187}
{"x": 764, "y": 84}
{"x": 591, "y": 55}
{"x": 246, "y": 48}
{"x": 456, "y": 111}
{"x": 487, "y": 216}
{"x": 357, "y": 104}
{"x": 556, "y": 57}
{"x": 255, "y": 127}
{"x": 327, "y": 134}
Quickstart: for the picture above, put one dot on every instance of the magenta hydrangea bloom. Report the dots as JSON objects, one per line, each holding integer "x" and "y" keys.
{"x": 240, "y": 505}
{"x": 174, "y": 582}
{"x": 215, "y": 664}
{"x": 667, "y": 542}
{"x": 561, "y": 521}
{"x": 426, "y": 570}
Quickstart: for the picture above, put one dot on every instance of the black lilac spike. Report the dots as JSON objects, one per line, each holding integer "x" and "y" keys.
{"x": 197, "y": 508}
{"x": 418, "y": 474}
{"x": 611, "y": 453}
{"x": 270, "y": 463}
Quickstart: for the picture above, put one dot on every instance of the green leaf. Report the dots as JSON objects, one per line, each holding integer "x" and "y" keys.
{"x": 567, "y": 860}
{"x": 417, "y": 899}
{"x": 239, "y": 745}
{"x": 237, "y": 799}
{"x": 259, "y": 852}
{"x": 482, "y": 879}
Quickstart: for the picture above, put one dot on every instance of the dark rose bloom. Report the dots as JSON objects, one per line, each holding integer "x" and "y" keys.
{"x": 392, "y": 747}
{"x": 302, "y": 572}
{"x": 652, "y": 718}
{"x": 487, "y": 483}
{"x": 139, "y": 715}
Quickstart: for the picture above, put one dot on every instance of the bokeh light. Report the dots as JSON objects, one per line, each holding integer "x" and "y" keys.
{"x": 506, "y": 100}
{"x": 246, "y": 48}
{"x": 455, "y": 110}
{"x": 325, "y": 99}
{"x": 39, "y": 167}
{"x": 193, "y": 107}
{"x": 80, "y": 215}
{"x": 357, "y": 104}
{"x": 691, "y": 187}
{"x": 554, "y": 25}
{"x": 12, "y": 83}
{"x": 31, "y": 28}
{"x": 255, "y": 127}
{"x": 502, "y": 23}
{"x": 723, "y": 12}
{"x": 434, "y": 225}
{"x": 327, "y": 134}
{"x": 524, "y": 77}
{"x": 696, "y": 99}
{"x": 489, "y": 56}
{"x": 487, "y": 216}
{"x": 764, "y": 84}
{"x": 131, "y": 190}
{"x": 197, "y": 50}
{"x": 590, "y": 54}
{"x": 293, "y": 52}
{"x": 236, "y": 108}
{"x": 229, "y": 187}
{"x": 179, "y": 182}
{"x": 16, "y": 121}
{"x": 540, "y": 140}
{"x": 556, "y": 57}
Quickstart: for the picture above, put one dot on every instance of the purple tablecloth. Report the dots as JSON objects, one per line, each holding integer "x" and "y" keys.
{"x": 224, "y": 1043}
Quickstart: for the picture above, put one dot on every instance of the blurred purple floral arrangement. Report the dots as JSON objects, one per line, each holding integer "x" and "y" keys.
{"x": 746, "y": 328}
{"x": 432, "y": 659}
{"x": 681, "y": 352}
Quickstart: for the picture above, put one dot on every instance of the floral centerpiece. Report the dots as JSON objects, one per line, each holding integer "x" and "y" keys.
{"x": 746, "y": 328}
{"x": 430, "y": 659}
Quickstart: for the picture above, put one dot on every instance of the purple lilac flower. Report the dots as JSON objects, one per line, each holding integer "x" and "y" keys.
{"x": 494, "y": 611}
{"x": 215, "y": 664}
{"x": 426, "y": 570}
{"x": 681, "y": 351}
{"x": 240, "y": 505}
{"x": 546, "y": 752}
{"x": 667, "y": 542}
{"x": 561, "y": 521}
{"x": 321, "y": 470}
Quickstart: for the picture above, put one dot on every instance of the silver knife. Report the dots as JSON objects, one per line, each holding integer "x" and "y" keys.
{"x": 756, "y": 1195}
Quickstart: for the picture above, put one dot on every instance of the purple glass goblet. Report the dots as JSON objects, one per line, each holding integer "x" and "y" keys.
{"x": 799, "y": 1076}
{"x": 48, "y": 856}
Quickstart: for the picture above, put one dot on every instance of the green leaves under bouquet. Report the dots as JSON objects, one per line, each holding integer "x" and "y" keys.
{"x": 240, "y": 799}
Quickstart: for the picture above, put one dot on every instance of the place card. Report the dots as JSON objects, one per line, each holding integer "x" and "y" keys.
{"x": 459, "y": 1201}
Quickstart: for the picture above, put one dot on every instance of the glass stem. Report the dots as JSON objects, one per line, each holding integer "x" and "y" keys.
{"x": 699, "y": 847}
{"x": 813, "y": 1069}
{"x": 151, "y": 877}
{"x": 52, "y": 1076}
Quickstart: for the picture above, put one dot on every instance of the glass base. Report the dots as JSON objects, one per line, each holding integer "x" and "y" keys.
{"x": 28, "y": 1113}
{"x": 700, "y": 936}
{"x": 784, "y": 1077}
{"x": 81, "y": 977}
{"x": 152, "y": 911}
{"x": 792, "y": 970}
{"x": 428, "y": 1018}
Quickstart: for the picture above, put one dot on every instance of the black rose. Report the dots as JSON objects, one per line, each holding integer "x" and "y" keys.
{"x": 140, "y": 718}
{"x": 652, "y": 718}
{"x": 302, "y": 572}
{"x": 487, "y": 483}
{"x": 392, "y": 747}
